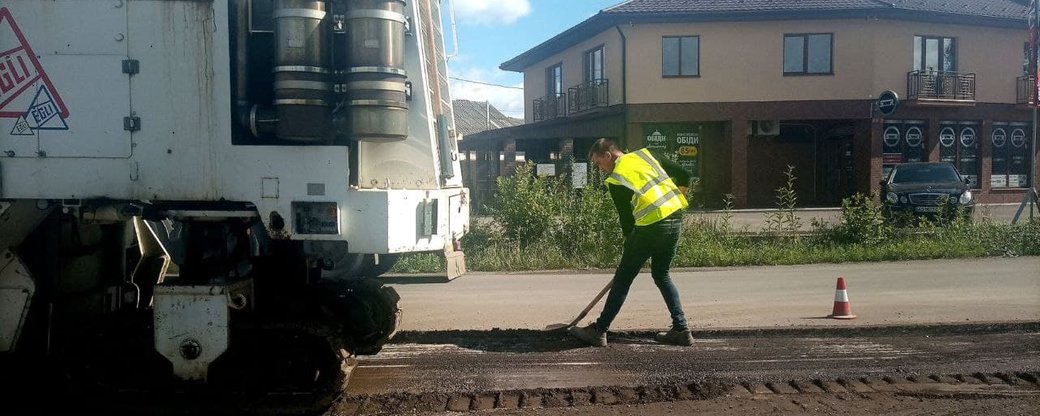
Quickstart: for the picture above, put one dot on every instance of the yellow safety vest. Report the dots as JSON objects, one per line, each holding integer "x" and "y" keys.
{"x": 655, "y": 195}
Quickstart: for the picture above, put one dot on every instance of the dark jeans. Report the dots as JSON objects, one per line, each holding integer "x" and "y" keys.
{"x": 656, "y": 242}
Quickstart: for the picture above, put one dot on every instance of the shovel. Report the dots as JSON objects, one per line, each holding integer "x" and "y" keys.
{"x": 560, "y": 327}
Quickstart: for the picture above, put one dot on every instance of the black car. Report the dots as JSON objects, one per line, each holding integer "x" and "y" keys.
{"x": 926, "y": 189}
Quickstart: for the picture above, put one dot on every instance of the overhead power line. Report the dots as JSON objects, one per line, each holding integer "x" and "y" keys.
{"x": 486, "y": 83}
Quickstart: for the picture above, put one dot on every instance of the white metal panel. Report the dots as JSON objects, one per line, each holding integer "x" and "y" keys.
{"x": 16, "y": 289}
{"x": 68, "y": 54}
{"x": 182, "y": 96}
{"x": 191, "y": 315}
{"x": 97, "y": 95}
{"x": 73, "y": 27}
{"x": 54, "y": 178}
{"x": 21, "y": 77}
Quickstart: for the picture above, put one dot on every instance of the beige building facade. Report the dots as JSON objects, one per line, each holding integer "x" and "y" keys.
{"x": 738, "y": 95}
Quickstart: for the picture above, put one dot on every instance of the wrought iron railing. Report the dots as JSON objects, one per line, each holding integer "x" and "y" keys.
{"x": 940, "y": 86}
{"x": 1026, "y": 89}
{"x": 588, "y": 95}
{"x": 550, "y": 107}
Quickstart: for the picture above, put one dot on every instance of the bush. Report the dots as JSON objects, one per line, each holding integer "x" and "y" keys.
{"x": 546, "y": 214}
{"x": 527, "y": 206}
{"x": 862, "y": 222}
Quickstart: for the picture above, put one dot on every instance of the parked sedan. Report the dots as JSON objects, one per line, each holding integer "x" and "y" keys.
{"x": 926, "y": 189}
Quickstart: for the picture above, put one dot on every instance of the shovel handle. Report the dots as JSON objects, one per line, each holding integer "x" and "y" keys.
{"x": 599, "y": 296}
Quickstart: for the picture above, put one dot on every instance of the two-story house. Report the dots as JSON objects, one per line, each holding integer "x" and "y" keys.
{"x": 737, "y": 90}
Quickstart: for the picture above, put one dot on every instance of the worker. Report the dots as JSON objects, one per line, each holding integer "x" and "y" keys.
{"x": 650, "y": 204}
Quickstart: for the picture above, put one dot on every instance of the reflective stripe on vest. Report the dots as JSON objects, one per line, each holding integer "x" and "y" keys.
{"x": 655, "y": 195}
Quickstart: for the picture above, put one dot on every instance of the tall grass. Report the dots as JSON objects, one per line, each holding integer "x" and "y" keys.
{"x": 542, "y": 224}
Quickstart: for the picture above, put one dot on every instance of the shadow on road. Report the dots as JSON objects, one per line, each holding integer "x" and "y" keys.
{"x": 534, "y": 341}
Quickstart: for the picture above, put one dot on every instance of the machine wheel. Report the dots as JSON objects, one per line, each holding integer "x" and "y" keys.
{"x": 366, "y": 311}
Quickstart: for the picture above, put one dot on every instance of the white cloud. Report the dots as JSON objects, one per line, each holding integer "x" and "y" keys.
{"x": 510, "y": 101}
{"x": 490, "y": 12}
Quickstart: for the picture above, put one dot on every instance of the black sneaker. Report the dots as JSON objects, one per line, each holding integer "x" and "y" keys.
{"x": 675, "y": 337}
{"x": 590, "y": 335}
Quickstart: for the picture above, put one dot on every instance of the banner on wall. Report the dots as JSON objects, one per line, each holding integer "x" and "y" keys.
{"x": 681, "y": 142}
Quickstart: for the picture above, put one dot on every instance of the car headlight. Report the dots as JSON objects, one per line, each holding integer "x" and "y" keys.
{"x": 966, "y": 197}
{"x": 891, "y": 197}
{"x": 904, "y": 199}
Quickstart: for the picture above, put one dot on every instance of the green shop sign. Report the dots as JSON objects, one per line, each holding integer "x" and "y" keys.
{"x": 680, "y": 142}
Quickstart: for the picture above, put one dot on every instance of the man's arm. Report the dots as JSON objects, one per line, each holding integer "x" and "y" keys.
{"x": 677, "y": 172}
{"x": 622, "y": 198}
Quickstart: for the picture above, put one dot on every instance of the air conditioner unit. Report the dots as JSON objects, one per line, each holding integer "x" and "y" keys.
{"x": 767, "y": 127}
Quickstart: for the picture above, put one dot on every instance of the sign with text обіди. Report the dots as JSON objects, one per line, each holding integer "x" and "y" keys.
{"x": 681, "y": 142}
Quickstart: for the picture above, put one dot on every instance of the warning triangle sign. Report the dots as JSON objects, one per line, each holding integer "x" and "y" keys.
{"x": 42, "y": 115}
{"x": 20, "y": 72}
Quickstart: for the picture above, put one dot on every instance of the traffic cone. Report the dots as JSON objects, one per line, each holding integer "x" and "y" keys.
{"x": 842, "y": 308}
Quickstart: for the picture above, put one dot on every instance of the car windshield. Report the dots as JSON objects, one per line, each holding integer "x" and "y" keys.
{"x": 925, "y": 173}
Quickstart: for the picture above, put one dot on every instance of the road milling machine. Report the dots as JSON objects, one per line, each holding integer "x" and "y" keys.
{"x": 193, "y": 178}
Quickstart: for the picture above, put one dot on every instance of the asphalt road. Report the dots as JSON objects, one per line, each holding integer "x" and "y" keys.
{"x": 896, "y": 293}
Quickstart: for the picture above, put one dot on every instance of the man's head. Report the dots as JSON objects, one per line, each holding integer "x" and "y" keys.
{"x": 604, "y": 154}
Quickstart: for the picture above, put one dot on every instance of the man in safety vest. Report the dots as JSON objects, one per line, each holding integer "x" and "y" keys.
{"x": 649, "y": 195}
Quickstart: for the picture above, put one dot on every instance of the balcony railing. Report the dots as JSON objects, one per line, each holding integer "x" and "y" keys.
{"x": 1026, "y": 89}
{"x": 586, "y": 96}
{"x": 940, "y": 86}
{"x": 550, "y": 107}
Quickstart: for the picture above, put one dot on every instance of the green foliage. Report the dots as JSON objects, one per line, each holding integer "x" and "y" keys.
{"x": 784, "y": 218}
{"x": 704, "y": 245}
{"x": 549, "y": 220}
{"x": 862, "y": 222}
{"x": 527, "y": 206}
{"x": 541, "y": 223}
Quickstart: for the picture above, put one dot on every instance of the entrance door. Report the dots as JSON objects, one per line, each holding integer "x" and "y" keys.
{"x": 835, "y": 174}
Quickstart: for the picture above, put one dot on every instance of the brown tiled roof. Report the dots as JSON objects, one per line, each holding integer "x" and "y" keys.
{"x": 476, "y": 116}
{"x": 1003, "y": 13}
{"x": 989, "y": 8}
{"x": 752, "y": 6}
{"x": 1006, "y": 9}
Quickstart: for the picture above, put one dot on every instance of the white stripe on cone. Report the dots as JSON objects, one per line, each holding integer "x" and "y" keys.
{"x": 841, "y": 296}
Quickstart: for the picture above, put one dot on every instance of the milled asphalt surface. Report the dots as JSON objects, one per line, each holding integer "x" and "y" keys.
{"x": 892, "y": 293}
{"x": 515, "y": 360}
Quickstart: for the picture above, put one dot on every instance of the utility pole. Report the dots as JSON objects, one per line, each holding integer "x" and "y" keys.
{"x": 1030, "y": 199}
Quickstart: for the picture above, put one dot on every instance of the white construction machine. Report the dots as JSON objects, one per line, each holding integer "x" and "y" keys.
{"x": 222, "y": 168}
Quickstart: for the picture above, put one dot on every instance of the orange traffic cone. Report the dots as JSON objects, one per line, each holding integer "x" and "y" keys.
{"x": 842, "y": 308}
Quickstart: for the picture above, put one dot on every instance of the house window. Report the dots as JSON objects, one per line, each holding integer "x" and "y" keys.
{"x": 808, "y": 53}
{"x": 680, "y": 56}
{"x": 554, "y": 80}
{"x": 1010, "y": 167}
{"x": 959, "y": 145}
{"x": 594, "y": 65}
{"x": 935, "y": 54}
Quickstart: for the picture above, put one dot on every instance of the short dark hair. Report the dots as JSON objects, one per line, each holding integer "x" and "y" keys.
{"x": 602, "y": 146}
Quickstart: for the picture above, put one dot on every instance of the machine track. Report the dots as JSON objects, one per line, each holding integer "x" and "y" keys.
{"x": 953, "y": 386}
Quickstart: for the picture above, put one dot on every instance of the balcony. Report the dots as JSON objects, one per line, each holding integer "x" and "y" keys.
{"x": 940, "y": 87}
{"x": 550, "y": 107}
{"x": 1026, "y": 89}
{"x": 586, "y": 96}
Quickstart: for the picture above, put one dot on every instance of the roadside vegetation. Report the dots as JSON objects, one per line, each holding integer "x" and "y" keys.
{"x": 538, "y": 223}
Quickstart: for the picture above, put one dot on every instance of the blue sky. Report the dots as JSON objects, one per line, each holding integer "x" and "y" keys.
{"x": 493, "y": 31}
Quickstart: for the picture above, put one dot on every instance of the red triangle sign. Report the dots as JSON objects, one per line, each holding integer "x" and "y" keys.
{"x": 19, "y": 71}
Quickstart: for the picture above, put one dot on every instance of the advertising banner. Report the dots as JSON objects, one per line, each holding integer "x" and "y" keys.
{"x": 682, "y": 142}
